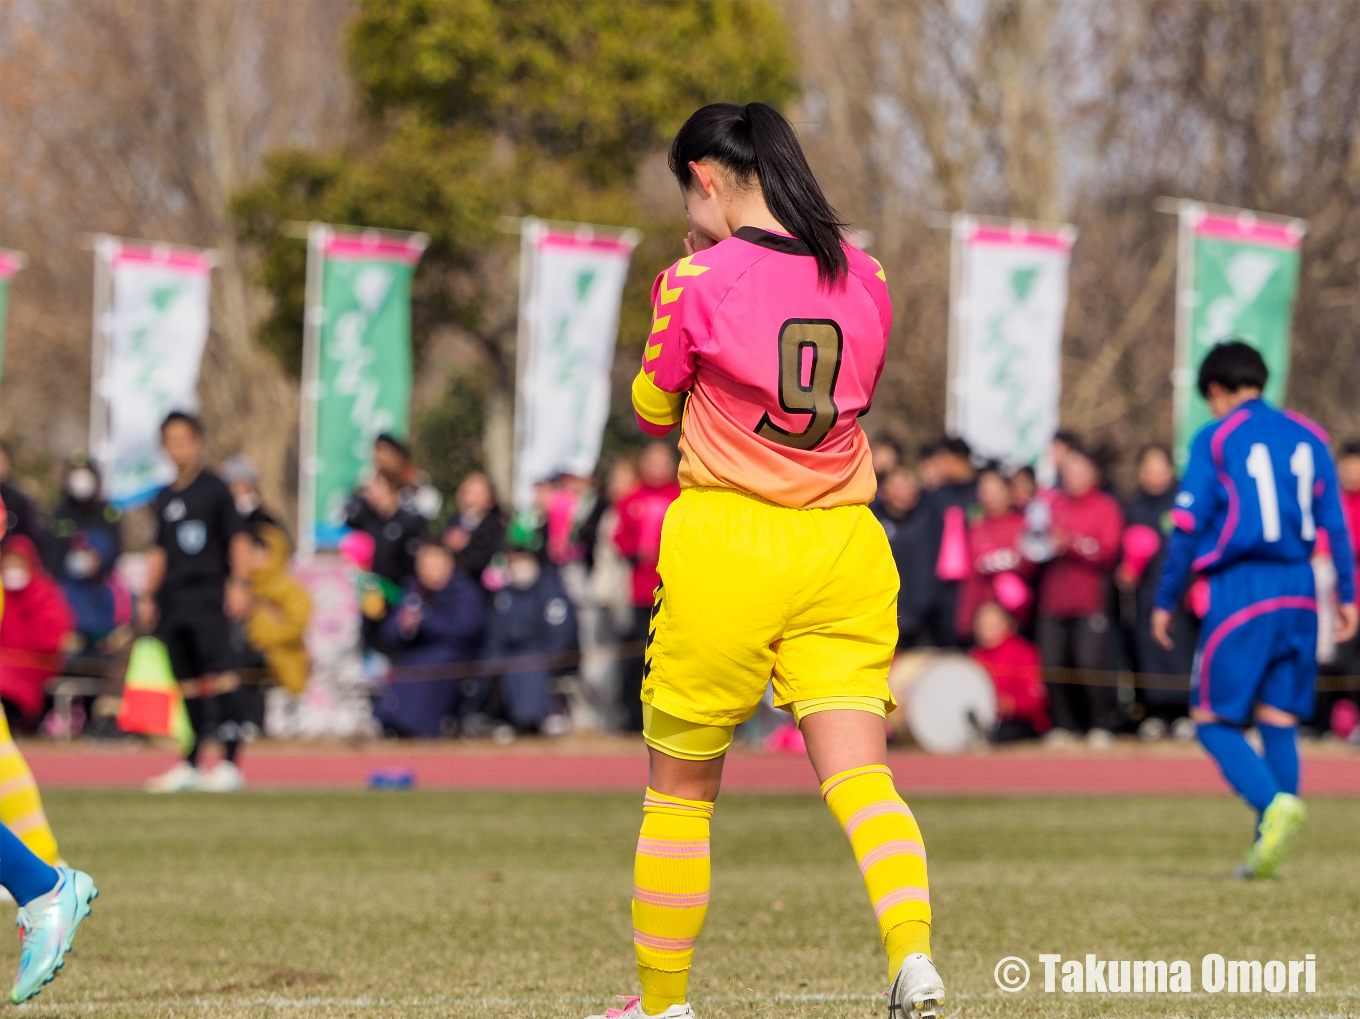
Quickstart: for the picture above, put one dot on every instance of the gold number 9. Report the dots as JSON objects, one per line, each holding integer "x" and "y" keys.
{"x": 818, "y": 398}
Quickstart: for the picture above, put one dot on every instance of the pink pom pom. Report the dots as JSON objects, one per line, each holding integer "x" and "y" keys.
{"x": 787, "y": 739}
{"x": 1345, "y": 718}
{"x": 1197, "y": 598}
{"x": 1140, "y": 543}
{"x": 1012, "y": 593}
{"x": 356, "y": 547}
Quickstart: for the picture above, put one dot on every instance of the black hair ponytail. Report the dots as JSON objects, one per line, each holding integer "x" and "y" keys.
{"x": 755, "y": 141}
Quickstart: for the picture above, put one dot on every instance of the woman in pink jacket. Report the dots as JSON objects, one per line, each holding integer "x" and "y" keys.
{"x": 34, "y": 626}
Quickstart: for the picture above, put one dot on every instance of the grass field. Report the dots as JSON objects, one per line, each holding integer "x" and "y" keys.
{"x": 425, "y": 904}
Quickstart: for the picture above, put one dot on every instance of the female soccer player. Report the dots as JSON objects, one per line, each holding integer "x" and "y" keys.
{"x": 767, "y": 341}
{"x": 53, "y": 899}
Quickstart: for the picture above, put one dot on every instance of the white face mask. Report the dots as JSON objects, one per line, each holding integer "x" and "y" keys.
{"x": 15, "y": 578}
{"x": 523, "y": 572}
{"x": 247, "y": 504}
{"x": 81, "y": 484}
{"x": 81, "y": 564}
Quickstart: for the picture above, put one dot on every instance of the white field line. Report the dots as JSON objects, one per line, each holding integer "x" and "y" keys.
{"x": 491, "y": 1001}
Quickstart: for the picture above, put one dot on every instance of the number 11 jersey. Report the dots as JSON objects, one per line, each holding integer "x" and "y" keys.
{"x": 1259, "y": 486}
{"x": 768, "y": 370}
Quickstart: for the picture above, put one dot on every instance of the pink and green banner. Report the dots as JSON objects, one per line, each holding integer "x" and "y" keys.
{"x": 151, "y": 320}
{"x": 1238, "y": 274}
{"x": 10, "y": 263}
{"x": 1008, "y": 299}
{"x": 356, "y": 366}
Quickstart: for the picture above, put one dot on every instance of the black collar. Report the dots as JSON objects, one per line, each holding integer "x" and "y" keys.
{"x": 773, "y": 241}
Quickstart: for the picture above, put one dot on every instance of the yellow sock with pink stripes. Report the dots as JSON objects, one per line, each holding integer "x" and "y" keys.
{"x": 670, "y": 895}
{"x": 891, "y": 856}
{"x": 21, "y": 809}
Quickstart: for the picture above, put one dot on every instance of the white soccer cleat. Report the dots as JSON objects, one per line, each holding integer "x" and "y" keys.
{"x": 917, "y": 992}
{"x": 182, "y": 778}
{"x": 224, "y": 778}
{"x": 632, "y": 1009}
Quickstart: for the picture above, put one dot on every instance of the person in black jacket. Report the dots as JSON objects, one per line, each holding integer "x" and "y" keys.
{"x": 198, "y": 579}
{"x": 439, "y": 623}
{"x": 953, "y": 497}
{"x": 392, "y": 457}
{"x": 1151, "y": 508}
{"x": 475, "y": 534}
{"x": 376, "y": 510}
{"x": 531, "y": 617}
{"x": 912, "y": 525}
{"x": 244, "y": 482}
{"x": 82, "y": 510}
{"x": 22, "y": 517}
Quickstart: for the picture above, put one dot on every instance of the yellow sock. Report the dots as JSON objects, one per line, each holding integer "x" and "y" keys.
{"x": 670, "y": 895}
{"x": 891, "y": 856}
{"x": 21, "y": 808}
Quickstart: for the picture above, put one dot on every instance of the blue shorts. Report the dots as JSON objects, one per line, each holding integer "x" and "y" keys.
{"x": 1258, "y": 644}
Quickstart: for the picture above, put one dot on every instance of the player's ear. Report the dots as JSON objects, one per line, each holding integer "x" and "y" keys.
{"x": 701, "y": 177}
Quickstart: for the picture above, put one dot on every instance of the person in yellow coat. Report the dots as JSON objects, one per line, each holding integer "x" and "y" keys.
{"x": 279, "y": 612}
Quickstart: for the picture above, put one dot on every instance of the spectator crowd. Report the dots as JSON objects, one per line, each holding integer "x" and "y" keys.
{"x": 481, "y": 622}
{"x": 1051, "y": 589}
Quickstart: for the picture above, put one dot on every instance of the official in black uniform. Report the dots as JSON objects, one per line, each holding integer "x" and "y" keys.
{"x": 196, "y": 579}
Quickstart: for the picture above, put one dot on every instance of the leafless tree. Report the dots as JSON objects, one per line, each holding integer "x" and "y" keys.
{"x": 1085, "y": 112}
{"x": 140, "y": 118}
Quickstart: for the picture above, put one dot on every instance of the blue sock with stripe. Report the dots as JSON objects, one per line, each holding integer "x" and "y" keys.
{"x": 1241, "y": 766}
{"x": 23, "y": 874}
{"x": 1282, "y": 754}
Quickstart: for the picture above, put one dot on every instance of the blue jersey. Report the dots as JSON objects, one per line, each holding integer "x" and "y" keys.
{"x": 1259, "y": 485}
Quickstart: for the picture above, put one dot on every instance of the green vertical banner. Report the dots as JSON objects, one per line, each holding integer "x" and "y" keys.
{"x": 10, "y": 263}
{"x": 1239, "y": 272}
{"x": 357, "y": 367}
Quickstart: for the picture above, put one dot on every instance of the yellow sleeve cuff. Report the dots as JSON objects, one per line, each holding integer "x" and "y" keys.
{"x": 654, "y": 405}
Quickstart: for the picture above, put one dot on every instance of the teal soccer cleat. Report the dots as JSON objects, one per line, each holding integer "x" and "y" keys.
{"x": 47, "y": 926}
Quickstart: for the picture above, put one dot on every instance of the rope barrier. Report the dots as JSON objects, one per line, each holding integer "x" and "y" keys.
{"x": 113, "y": 667}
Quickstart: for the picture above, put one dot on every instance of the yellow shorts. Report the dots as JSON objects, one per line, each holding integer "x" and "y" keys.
{"x": 752, "y": 591}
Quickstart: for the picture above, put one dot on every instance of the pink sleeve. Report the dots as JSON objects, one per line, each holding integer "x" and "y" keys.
{"x": 682, "y": 313}
{"x": 681, "y": 322}
{"x": 869, "y": 271}
{"x": 655, "y": 431}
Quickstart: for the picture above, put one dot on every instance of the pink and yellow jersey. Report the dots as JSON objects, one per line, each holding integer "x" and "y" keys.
{"x": 766, "y": 371}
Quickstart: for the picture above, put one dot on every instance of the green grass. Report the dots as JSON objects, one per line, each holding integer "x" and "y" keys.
{"x": 427, "y": 904}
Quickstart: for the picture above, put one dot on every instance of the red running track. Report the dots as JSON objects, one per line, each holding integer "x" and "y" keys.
{"x": 998, "y": 774}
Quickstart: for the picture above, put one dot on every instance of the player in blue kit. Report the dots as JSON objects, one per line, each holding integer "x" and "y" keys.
{"x": 1259, "y": 485}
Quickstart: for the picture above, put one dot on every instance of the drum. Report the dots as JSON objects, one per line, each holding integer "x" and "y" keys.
{"x": 946, "y": 700}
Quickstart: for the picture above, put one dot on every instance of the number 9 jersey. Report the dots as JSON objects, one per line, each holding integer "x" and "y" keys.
{"x": 768, "y": 370}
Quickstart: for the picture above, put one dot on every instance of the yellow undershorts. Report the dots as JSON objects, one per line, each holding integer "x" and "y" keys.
{"x": 752, "y": 592}
{"x": 694, "y": 741}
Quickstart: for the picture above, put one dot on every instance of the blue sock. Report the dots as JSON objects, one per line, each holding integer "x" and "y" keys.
{"x": 21, "y": 872}
{"x": 1244, "y": 771}
{"x": 1282, "y": 754}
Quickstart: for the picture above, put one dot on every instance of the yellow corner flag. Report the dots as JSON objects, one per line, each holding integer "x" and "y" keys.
{"x": 152, "y": 704}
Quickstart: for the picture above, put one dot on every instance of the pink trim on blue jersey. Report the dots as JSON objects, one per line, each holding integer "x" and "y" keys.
{"x": 1230, "y": 424}
{"x": 1183, "y": 519}
{"x": 1308, "y": 423}
{"x": 1237, "y": 619}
